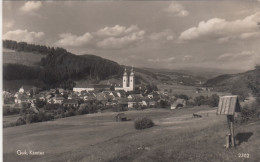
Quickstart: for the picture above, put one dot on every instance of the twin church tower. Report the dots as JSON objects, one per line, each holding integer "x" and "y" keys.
{"x": 128, "y": 81}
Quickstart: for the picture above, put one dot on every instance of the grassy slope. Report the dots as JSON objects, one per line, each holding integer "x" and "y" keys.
{"x": 24, "y": 58}
{"x": 97, "y": 137}
{"x": 188, "y": 90}
{"x": 228, "y": 80}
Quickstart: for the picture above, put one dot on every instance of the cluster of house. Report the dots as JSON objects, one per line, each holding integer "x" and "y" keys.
{"x": 73, "y": 98}
{"x": 102, "y": 93}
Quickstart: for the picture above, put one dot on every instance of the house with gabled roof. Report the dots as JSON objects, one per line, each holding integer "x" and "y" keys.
{"x": 121, "y": 93}
{"x": 91, "y": 87}
{"x": 71, "y": 102}
{"x": 135, "y": 96}
{"x": 22, "y": 98}
{"x": 178, "y": 103}
{"x": 89, "y": 96}
{"x": 58, "y": 99}
{"x": 101, "y": 97}
{"x": 73, "y": 96}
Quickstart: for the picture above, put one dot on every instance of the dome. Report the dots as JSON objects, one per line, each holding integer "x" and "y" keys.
{"x": 132, "y": 72}
{"x": 125, "y": 73}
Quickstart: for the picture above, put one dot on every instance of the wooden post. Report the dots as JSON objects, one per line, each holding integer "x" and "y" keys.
{"x": 227, "y": 141}
{"x": 232, "y": 131}
{"x": 230, "y": 119}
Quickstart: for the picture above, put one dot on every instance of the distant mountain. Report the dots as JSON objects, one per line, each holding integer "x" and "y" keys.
{"x": 175, "y": 76}
{"x": 206, "y": 72}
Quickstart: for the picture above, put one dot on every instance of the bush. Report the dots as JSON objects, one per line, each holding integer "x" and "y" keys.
{"x": 164, "y": 104}
{"x": 143, "y": 123}
{"x": 20, "y": 121}
{"x": 182, "y": 96}
{"x": 200, "y": 100}
{"x": 249, "y": 112}
{"x": 10, "y": 111}
{"x": 213, "y": 100}
{"x": 40, "y": 103}
{"x": 30, "y": 118}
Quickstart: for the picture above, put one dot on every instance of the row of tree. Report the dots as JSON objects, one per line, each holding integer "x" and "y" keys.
{"x": 25, "y": 47}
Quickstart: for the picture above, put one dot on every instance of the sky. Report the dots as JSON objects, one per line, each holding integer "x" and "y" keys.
{"x": 220, "y": 35}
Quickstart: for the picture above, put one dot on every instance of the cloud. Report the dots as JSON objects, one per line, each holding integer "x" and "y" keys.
{"x": 121, "y": 42}
{"x": 159, "y": 60}
{"x": 117, "y": 30}
{"x": 116, "y": 37}
{"x": 223, "y": 30}
{"x": 166, "y": 35}
{"x": 31, "y": 6}
{"x": 239, "y": 55}
{"x": 176, "y": 9}
{"x": 187, "y": 57}
{"x": 68, "y": 39}
{"x": 24, "y": 35}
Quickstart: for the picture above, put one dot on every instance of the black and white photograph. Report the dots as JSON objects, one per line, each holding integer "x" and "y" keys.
{"x": 130, "y": 81}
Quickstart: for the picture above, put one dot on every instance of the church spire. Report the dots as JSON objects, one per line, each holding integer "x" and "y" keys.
{"x": 132, "y": 71}
{"x": 125, "y": 73}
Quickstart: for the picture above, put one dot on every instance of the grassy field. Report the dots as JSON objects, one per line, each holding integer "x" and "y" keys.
{"x": 10, "y": 118}
{"x": 25, "y": 58}
{"x": 177, "y": 136}
{"x": 188, "y": 90}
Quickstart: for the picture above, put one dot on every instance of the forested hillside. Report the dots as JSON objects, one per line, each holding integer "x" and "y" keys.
{"x": 66, "y": 66}
{"x": 25, "y": 47}
{"x": 59, "y": 67}
{"x": 239, "y": 84}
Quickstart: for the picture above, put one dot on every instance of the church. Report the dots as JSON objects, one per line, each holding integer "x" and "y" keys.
{"x": 128, "y": 81}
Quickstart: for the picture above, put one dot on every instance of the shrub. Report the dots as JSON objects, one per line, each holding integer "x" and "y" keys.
{"x": 31, "y": 118}
{"x": 52, "y": 107}
{"x": 213, "y": 100}
{"x": 20, "y": 121}
{"x": 164, "y": 104}
{"x": 250, "y": 111}
{"x": 40, "y": 103}
{"x": 143, "y": 123}
{"x": 182, "y": 96}
{"x": 44, "y": 117}
{"x": 10, "y": 111}
{"x": 82, "y": 111}
{"x": 200, "y": 100}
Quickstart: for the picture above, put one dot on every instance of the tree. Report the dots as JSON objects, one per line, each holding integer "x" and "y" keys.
{"x": 213, "y": 100}
{"x": 200, "y": 100}
{"x": 39, "y": 103}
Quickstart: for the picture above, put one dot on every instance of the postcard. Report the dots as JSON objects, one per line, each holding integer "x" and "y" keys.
{"x": 123, "y": 81}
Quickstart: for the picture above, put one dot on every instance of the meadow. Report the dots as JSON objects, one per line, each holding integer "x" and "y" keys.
{"x": 188, "y": 90}
{"x": 24, "y": 58}
{"x": 176, "y": 136}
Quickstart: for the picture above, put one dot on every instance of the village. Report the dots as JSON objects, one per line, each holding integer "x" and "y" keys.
{"x": 59, "y": 102}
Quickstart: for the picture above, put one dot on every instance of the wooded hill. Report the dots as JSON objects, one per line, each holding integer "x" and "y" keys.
{"x": 239, "y": 84}
{"x": 57, "y": 67}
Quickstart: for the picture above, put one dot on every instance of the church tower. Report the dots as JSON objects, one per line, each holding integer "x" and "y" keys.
{"x": 132, "y": 80}
{"x": 125, "y": 80}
